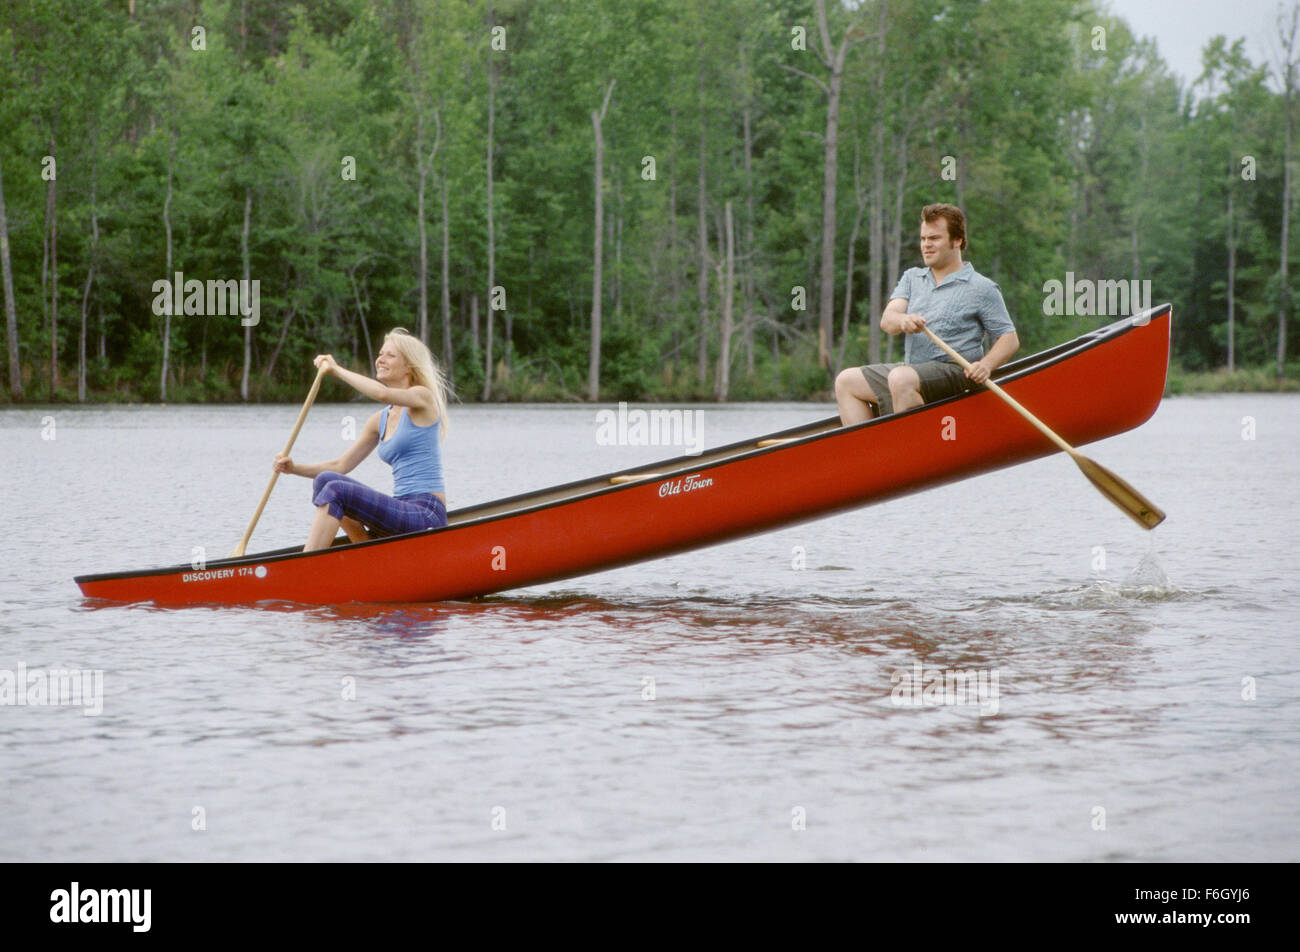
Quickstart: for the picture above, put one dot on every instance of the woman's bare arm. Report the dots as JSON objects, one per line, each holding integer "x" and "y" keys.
{"x": 346, "y": 462}
{"x": 415, "y": 396}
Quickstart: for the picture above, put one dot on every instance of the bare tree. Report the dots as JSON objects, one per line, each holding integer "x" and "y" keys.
{"x": 11, "y": 314}
{"x": 727, "y": 267}
{"x": 90, "y": 274}
{"x": 1232, "y": 269}
{"x": 876, "y": 240}
{"x": 593, "y": 365}
{"x": 448, "y": 364}
{"x": 50, "y": 264}
{"x": 491, "y": 223}
{"x": 859, "y": 203}
{"x": 832, "y": 57}
{"x": 167, "y": 228}
{"x": 362, "y": 306}
{"x": 702, "y": 234}
{"x": 248, "y": 328}
{"x": 1287, "y": 33}
{"x": 747, "y": 274}
{"x": 424, "y": 167}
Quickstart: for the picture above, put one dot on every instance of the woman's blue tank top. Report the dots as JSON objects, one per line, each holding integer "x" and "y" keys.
{"x": 414, "y": 453}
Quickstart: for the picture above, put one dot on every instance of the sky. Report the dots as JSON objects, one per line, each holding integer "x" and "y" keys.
{"x": 1181, "y": 28}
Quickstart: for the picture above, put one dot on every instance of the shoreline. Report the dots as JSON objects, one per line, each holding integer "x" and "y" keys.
{"x": 1189, "y": 386}
{"x": 1179, "y": 382}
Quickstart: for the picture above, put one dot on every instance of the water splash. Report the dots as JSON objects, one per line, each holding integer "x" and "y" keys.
{"x": 1147, "y": 582}
{"x": 1149, "y": 577}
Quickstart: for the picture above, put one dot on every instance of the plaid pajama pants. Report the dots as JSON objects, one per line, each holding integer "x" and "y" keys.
{"x": 380, "y": 513}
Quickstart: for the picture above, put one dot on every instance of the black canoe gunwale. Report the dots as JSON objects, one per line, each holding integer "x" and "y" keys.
{"x": 566, "y": 493}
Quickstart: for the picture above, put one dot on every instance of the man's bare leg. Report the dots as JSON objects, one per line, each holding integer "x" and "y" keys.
{"x": 905, "y": 388}
{"x": 854, "y": 396}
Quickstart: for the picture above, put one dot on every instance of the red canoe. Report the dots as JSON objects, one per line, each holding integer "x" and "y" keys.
{"x": 1096, "y": 386}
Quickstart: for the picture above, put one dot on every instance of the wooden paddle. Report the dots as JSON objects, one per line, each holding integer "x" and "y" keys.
{"x": 302, "y": 416}
{"x": 1136, "y": 506}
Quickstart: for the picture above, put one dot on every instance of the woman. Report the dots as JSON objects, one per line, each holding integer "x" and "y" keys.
{"x": 408, "y": 433}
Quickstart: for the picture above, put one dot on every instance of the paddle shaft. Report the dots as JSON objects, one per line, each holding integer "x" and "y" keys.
{"x": 1131, "y": 502}
{"x": 1015, "y": 405}
{"x": 302, "y": 417}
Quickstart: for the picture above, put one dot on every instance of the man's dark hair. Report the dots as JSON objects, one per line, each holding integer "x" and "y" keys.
{"x": 952, "y": 215}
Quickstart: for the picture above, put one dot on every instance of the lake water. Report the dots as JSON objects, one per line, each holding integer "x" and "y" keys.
{"x": 1131, "y": 696}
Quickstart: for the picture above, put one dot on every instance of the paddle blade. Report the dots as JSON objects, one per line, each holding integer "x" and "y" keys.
{"x": 1136, "y": 506}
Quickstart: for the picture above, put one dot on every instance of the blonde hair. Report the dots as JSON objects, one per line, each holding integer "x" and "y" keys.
{"x": 424, "y": 370}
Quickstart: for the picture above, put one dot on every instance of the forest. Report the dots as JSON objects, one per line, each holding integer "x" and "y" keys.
{"x": 592, "y": 200}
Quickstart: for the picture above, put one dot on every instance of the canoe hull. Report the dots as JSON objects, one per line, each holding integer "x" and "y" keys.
{"x": 1120, "y": 370}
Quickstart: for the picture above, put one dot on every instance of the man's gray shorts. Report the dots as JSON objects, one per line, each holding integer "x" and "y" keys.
{"x": 939, "y": 379}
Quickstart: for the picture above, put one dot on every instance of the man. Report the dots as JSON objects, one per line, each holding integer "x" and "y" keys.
{"x": 953, "y": 300}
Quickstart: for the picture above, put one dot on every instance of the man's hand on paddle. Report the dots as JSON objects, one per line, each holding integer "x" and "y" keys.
{"x": 282, "y": 464}
{"x": 911, "y": 323}
{"x": 978, "y": 371}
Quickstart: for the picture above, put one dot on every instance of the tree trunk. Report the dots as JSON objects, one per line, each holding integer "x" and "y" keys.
{"x": 361, "y": 313}
{"x": 876, "y": 237}
{"x": 491, "y": 223}
{"x": 167, "y": 228}
{"x": 728, "y": 304}
{"x": 728, "y": 299}
{"x": 425, "y": 167}
{"x": 859, "y": 204}
{"x": 422, "y": 170}
{"x": 597, "y": 248}
{"x": 1232, "y": 282}
{"x": 830, "y": 173}
{"x": 1284, "y": 305}
{"x": 90, "y": 280}
{"x": 877, "y": 243}
{"x": 284, "y": 335}
{"x": 473, "y": 323}
{"x": 674, "y": 274}
{"x": 11, "y": 314}
{"x": 248, "y": 328}
{"x": 597, "y": 264}
{"x": 702, "y": 240}
{"x": 52, "y": 238}
{"x": 747, "y": 269}
{"x": 448, "y": 364}
{"x": 618, "y": 243}
{"x": 1143, "y": 167}
{"x": 834, "y": 60}
{"x": 896, "y": 234}
{"x": 1289, "y": 68}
